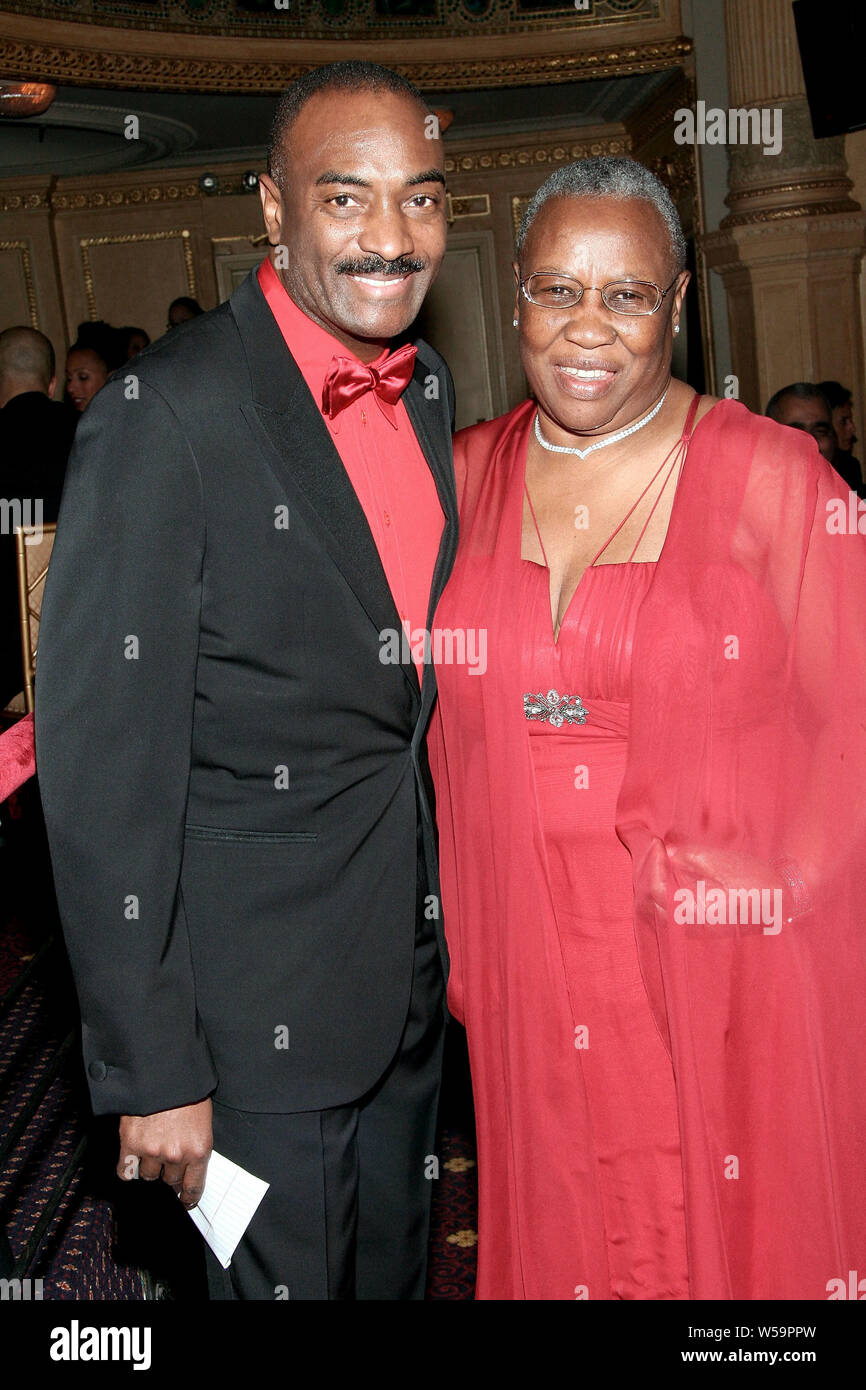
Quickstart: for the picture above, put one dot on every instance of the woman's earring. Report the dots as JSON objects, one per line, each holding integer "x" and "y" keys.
{"x": 676, "y": 328}
{"x": 514, "y": 323}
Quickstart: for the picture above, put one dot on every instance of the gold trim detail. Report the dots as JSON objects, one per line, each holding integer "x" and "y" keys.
{"x": 358, "y": 22}
{"x": 125, "y": 239}
{"x": 842, "y": 182}
{"x": 467, "y": 205}
{"x": 29, "y": 289}
{"x": 23, "y": 202}
{"x": 162, "y": 72}
{"x": 173, "y": 191}
{"x": 744, "y": 219}
{"x": 528, "y": 155}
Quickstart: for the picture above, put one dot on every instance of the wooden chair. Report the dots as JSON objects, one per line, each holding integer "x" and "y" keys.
{"x": 33, "y": 546}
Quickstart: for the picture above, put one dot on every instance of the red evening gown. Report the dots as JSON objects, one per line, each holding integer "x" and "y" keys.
{"x": 666, "y": 1106}
{"x": 631, "y": 1134}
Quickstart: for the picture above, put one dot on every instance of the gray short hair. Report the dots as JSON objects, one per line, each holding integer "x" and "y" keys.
{"x": 606, "y": 177}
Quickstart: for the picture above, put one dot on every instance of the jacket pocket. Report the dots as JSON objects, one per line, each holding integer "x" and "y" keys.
{"x": 215, "y": 833}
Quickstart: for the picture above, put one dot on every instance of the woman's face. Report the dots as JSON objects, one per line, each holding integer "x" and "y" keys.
{"x": 591, "y": 369}
{"x": 85, "y": 373}
{"x": 843, "y": 423}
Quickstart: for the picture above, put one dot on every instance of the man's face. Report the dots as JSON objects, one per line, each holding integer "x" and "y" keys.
{"x": 361, "y": 213}
{"x": 843, "y": 424}
{"x": 813, "y": 416}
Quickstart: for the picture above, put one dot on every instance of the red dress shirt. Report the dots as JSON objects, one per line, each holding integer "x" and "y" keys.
{"x": 384, "y": 461}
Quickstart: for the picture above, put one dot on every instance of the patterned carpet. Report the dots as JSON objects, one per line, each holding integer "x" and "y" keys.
{"x": 67, "y": 1219}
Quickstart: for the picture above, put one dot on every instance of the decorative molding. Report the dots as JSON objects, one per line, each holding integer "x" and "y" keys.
{"x": 186, "y": 189}
{"x": 102, "y": 66}
{"x": 124, "y": 239}
{"x": 802, "y": 186}
{"x": 723, "y": 246}
{"x": 23, "y": 202}
{"x": 354, "y": 20}
{"x": 747, "y": 219}
{"x": 526, "y": 156}
{"x": 29, "y": 288}
{"x": 467, "y": 205}
{"x": 170, "y": 191}
{"x": 657, "y": 116}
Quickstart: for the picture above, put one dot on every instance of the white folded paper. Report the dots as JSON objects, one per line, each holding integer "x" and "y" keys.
{"x": 227, "y": 1205}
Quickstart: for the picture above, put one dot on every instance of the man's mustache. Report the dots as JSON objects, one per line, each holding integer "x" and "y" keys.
{"x": 375, "y": 265}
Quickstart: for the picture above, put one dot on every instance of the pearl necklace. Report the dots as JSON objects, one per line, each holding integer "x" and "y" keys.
{"x": 602, "y": 443}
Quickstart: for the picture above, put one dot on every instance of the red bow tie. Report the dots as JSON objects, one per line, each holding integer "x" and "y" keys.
{"x": 347, "y": 379}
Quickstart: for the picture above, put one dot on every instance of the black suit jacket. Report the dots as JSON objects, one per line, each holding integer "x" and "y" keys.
{"x": 235, "y": 786}
{"x": 35, "y": 439}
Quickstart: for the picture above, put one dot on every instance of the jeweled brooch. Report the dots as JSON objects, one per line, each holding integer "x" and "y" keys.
{"x": 554, "y": 708}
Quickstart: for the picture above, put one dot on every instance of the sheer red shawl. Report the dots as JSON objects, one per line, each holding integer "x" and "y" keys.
{"x": 746, "y": 770}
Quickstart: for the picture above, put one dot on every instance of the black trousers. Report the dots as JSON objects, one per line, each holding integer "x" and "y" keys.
{"x": 347, "y": 1212}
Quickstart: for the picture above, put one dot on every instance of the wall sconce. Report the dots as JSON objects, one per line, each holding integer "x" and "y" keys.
{"x": 209, "y": 183}
{"x": 25, "y": 98}
{"x": 250, "y": 181}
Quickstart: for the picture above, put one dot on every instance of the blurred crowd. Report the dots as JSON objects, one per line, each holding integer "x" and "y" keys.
{"x": 36, "y": 434}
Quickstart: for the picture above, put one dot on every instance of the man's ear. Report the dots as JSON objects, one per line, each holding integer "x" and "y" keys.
{"x": 52, "y": 386}
{"x": 272, "y": 208}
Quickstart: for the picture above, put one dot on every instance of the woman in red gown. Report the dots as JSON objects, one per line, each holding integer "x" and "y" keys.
{"x": 649, "y": 800}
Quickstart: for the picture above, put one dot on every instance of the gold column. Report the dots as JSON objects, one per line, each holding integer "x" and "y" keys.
{"x": 790, "y": 249}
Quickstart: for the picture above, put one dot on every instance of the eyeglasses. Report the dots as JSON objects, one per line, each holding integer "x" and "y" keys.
{"x": 550, "y": 290}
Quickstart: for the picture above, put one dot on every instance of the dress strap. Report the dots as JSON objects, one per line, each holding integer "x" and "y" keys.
{"x": 679, "y": 452}
{"x": 690, "y": 416}
{"x": 535, "y": 519}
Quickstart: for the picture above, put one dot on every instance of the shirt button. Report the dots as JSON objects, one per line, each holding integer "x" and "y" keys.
{"x": 387, "y": 517}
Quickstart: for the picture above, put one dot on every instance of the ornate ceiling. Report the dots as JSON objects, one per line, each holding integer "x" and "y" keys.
{"x": 229, "y": 46}
{"x": 359, "y": 19}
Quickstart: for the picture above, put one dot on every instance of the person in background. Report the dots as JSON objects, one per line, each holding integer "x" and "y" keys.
{"x": 840, "y": 403}
{"x": 35, "y": 438}
{"x": 98, "y": 350}
{"x": 135, "y": 340}
{"x": 803, "y": 406}
{"x": 183, "y": 309}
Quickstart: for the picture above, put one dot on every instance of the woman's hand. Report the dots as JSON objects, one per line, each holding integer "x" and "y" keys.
{"x": 685, "y": 887}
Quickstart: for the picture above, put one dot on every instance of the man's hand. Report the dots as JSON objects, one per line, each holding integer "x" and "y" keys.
{"x": 174, "y": 1145}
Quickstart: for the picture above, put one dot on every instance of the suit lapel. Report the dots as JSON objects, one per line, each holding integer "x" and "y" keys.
{"x": 292, "y": 434}
{"x": 435, "y": 443}
{"x": 295, "y": 439}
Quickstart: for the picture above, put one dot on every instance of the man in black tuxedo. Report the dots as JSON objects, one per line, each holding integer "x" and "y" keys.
{"x": 234, "y": 778}
{"x": 35, "y": 439}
